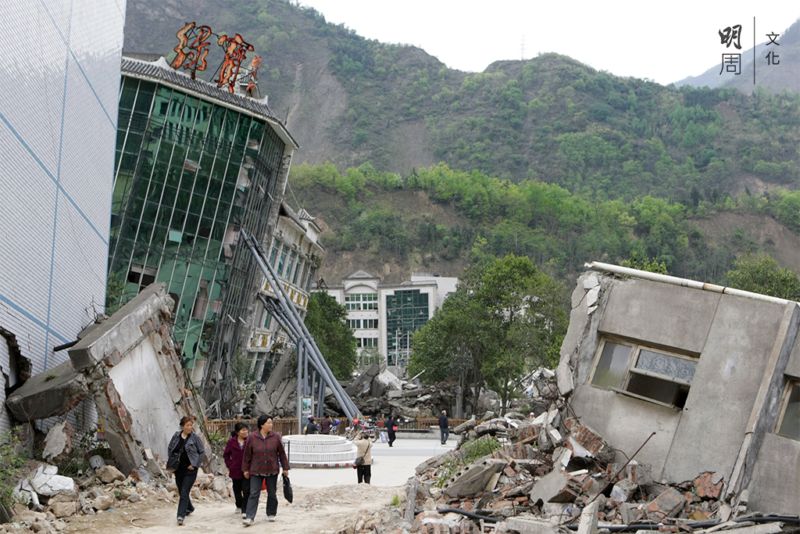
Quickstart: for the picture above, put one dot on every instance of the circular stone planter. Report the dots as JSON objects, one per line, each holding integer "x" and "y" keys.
{"x": 319, "y": 450}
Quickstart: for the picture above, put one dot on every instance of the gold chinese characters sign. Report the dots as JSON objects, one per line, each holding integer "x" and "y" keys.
{"x": 192, "y": 50}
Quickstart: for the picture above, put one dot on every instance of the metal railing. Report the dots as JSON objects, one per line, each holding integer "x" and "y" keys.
{"x": 426, "y": 423}
{"x": 284, "y": 427}
{"x": 288, "y": 426}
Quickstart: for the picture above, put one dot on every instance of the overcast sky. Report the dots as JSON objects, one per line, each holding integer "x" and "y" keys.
{"x": 664, "y": 42}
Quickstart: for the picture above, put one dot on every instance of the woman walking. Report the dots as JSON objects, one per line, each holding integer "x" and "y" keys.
{"x": 264, "y": 456}
{"x": 233, "y": 455}
{"x": 364, "y": 445}
{"x": 185, "y": 452}
{"x": 391, "y": 428}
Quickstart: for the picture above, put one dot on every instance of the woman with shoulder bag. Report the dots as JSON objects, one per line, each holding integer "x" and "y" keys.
{"x": 364, "y": 458}
{"x": 185, "y": 454}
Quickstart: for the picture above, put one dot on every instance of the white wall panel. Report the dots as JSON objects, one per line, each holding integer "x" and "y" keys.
{"x": 58, "y": 110}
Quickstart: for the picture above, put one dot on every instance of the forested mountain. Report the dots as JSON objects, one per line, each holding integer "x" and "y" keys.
{"x": 442, "y": 220}
{"x": 432, "y": 168}
{"x": 350, "y": 100}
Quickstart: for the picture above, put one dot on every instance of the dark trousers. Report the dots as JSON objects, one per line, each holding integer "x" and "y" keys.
{"x": 241, "y": 492}
{"x": 364, "y": 473}
{"x": 445, "y": 434}
{"x": 184, "y": 479}
{"x": 392, "y": 437}
{"x": 256, "y": 483}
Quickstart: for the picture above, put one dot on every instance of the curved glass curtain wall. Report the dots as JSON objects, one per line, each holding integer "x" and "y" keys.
{"x": 185, "y": 168}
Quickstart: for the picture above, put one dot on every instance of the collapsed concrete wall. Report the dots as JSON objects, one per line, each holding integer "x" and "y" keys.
{"x": 129, "y": 365}
{"x": 705, "y": 371}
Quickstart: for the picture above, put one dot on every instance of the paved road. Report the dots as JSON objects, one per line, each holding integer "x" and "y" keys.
{"x": 391, "y": 466}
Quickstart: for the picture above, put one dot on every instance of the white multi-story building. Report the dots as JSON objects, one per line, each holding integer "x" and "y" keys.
{"x": 58, "y": 125}
{"x": 385, "y": 316}
{"x": 294, "y": 253}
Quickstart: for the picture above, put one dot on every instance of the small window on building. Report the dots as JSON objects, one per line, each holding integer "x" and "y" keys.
{"x": 282, "y": 261}
{"x": 789, "y": 425}
{"x": 144, "y": 276}
{"x": 371, "y": 324}
{"x": 644, "y": 372}
{"x": 354, "y": 323}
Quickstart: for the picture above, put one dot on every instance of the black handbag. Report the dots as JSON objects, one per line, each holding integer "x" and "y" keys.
{"x": 288, "y": 494}
{"x": 174, "y": 459}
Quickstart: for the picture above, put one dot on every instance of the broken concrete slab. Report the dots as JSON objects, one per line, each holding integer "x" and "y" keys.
{"x": 557, "y": 486}
{"x": 58, "y": 443}
{"x": 623, "y": 490}
{"x": 525, "y": 525}
{"x": 668, "y": 504}
{"x": 588, "y": 520}
{"x": 473, "y": 478}
{"x": 764, "y": 528}
{"x": 47, "y": 483}
{"x": 564, "y": 377}
{"x": 49, "y": 394}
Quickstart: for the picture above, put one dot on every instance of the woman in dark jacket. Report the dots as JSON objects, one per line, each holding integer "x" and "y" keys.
{"x": 234, "y": 452}
{"x": 185, "y": 453}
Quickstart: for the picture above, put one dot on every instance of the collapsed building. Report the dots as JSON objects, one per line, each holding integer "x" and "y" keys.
{"x": 674, "y": 407}
{"x": 128, "y": 365}
{"x": 712, "y": 371}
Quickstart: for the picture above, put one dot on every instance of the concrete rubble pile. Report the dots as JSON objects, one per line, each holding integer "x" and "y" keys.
{"x": 55, "y": 500}
{"x": 376, "y": 391}
{"x": 129, "y": 367}
{"x": 552, "y": 473}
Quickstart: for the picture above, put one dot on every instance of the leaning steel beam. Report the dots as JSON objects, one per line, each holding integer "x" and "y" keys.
{"x": 294, "y": 319}
{"x": 280, "y": 318}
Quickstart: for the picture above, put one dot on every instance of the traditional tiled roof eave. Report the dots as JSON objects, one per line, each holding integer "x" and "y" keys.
{"x": 156, "y": 72}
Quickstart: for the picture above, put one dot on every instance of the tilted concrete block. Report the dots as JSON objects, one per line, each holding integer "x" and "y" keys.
{"x": 49, "y": 394}
{"x": 557, "y": 486}
{"x": 473, "y": 478}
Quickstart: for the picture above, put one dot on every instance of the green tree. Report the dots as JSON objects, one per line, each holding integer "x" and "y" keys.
{"x": 761, "y": 274}
{"x": 325, "y": 321}
{"x": 505, "y": 318}
{"x": 645, "y": 264}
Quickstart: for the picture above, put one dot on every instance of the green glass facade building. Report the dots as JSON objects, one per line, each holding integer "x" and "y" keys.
{"x": 406, "y": 312}
{"x": 194, "y": 165}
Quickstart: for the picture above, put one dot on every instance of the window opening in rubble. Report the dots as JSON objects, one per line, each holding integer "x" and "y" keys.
{"x": 789, "y": 422}
{"x": 652, "y": 374}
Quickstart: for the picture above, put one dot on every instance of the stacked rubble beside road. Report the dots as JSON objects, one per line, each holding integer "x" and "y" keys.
{"x": 550, "y": 473}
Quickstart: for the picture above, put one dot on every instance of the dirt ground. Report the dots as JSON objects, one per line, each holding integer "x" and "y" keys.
{"x": 314, "y": 511}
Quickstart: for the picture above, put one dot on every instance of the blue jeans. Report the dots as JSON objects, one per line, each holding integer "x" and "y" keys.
{"x": 185, "y": 480}
{"x": 445, "y": 434}
{"x": 256, "y": 483}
